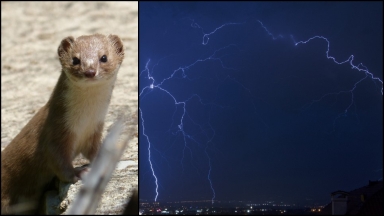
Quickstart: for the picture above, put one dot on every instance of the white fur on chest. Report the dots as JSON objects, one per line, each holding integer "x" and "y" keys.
{"x": 86, "y": 109}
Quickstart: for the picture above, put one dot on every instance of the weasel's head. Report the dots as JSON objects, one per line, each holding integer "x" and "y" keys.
{"x": 91, "y": 58}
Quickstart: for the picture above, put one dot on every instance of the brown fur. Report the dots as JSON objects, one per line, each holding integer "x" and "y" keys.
{"x": 70, "y": 123}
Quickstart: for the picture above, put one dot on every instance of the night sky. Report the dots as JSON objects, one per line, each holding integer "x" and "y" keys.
{"x": 244, "y": 114}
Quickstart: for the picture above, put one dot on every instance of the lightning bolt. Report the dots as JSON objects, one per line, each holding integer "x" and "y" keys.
{"x": 216, "y": 56}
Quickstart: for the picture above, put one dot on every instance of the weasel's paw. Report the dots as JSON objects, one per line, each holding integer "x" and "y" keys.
{"x": 82, "y": 171}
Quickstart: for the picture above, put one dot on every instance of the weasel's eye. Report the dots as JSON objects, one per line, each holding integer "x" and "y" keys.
{"x": 103, "y": 58}
{"x": 75, "y": 61}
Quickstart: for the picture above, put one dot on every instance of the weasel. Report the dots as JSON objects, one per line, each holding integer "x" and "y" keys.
{"x": 70, "y": 123}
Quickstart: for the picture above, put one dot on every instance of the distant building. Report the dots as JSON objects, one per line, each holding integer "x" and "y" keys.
{"x": 367, "y": 200}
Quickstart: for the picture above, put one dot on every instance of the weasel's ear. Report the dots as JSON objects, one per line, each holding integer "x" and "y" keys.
{"x": 65, "y": 44}
{"x": 117, "y": 44}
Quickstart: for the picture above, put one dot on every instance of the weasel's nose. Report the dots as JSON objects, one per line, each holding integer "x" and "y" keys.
{"x": 90, "y": 73}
